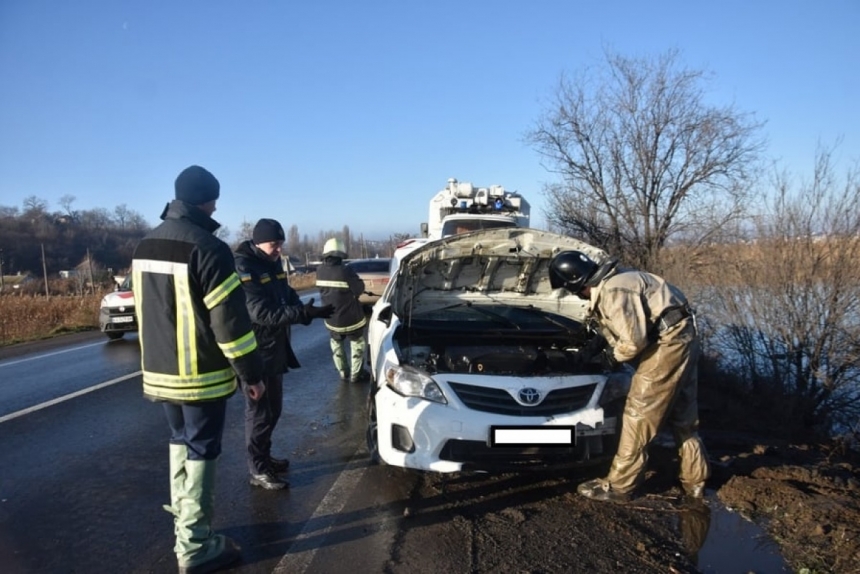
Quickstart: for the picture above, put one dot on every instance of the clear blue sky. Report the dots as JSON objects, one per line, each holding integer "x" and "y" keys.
{"x": 328, "y": 113}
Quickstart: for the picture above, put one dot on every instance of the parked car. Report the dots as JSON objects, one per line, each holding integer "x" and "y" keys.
{"x": 116, "y": 311}
{"x": 469, "y": 351}
{"x": 375, "y": 274}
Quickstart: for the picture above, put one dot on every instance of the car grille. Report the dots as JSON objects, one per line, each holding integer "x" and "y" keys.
{"x": 127, "y": 310}
{"x": 498, "y": 401}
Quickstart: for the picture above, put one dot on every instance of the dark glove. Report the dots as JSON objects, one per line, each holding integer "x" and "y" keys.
{"x": 588, "y": 352}
{"x": 312, "y": 312}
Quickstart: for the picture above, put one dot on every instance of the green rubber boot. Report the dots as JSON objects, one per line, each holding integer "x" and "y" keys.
{"x": 357, "y": 349}
{"x": 178, "y": 454}
{"x": 339, "y": 357}
{"x": 198, "y": 549}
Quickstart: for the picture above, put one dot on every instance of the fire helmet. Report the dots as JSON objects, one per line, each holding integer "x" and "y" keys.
{"x": 571, "y": 270}
{"x": 334, "y": 247}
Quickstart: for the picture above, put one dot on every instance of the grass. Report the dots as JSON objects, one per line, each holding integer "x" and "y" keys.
{"x": 29, "y": 317}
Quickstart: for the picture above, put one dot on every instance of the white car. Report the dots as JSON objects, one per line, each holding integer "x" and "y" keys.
{"x": 469, "y": 351}
{"x": 116, "y": 311}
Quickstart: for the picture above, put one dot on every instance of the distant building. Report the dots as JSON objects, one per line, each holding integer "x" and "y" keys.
{"x": 16, "y": 281}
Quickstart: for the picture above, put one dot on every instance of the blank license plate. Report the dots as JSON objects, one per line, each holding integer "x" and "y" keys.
{"x": 532, "y": 436}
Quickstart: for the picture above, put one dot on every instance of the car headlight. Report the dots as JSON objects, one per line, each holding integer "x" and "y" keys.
{"x": 617, "y": 386}
{"x": 411, "y": 382}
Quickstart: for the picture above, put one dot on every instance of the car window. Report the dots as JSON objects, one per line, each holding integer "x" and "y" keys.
{"x": 370, "y": 266}
{"x": 458, "y": 226}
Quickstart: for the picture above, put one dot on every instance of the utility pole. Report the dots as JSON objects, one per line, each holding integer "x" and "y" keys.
{"x": 90, "y": 266}
{"x": 45, "y": 273}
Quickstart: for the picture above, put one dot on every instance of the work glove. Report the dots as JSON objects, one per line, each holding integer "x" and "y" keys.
{"x": 588, "y": 352}
{"x": 312, "y": 312}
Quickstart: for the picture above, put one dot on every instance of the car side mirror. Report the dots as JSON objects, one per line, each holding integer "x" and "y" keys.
{"x": 385, "y": 315}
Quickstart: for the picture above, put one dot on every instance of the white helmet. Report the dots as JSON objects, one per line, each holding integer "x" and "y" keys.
{"x": 334, "y": 248}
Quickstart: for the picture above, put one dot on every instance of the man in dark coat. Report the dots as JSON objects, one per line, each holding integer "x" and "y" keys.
{"x": 195, "y": 338}
{"x": 273, "y": 306}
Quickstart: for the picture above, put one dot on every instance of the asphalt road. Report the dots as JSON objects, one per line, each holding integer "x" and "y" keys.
{"x": 83, "y": 468}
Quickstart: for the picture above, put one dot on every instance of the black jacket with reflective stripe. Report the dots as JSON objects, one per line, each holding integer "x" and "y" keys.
{"x": 273, "y": 306}
{"x": 340, "y": 286}
{"x": 194, "y": 329}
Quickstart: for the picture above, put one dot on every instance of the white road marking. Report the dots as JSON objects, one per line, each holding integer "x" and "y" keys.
{"x": 33, "y": 358}
{"x": 302, "y": 552}
{"x": 52, "y": 402}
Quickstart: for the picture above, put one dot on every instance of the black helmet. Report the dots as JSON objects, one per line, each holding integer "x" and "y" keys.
{"x": 571, "y": 270}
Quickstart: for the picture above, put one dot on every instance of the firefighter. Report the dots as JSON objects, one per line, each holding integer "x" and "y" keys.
{"x": 340, "y": 286}
{"x": 649, "y": 322}
{"x": 274, "y": 306}
{"x": 195, "y": 338}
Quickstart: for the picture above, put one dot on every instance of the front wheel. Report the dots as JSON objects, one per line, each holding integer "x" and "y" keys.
{"x": 372, "y": 433}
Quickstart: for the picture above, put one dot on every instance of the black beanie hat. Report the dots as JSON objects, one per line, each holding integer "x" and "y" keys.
{"x": 196, "y": 186}
{"x": 268, "y": 230}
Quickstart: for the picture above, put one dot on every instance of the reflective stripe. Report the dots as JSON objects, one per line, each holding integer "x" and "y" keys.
{"x": 186, "y": 332}
{"x": 181, "y": 388}
{"x": 137, "y": 282}
{"x": 163, "y": 267}
{"x": 333, "y": 284}
{"x": 281, "y": 275}
{"x": 221, "y": 291}
{"x": 241, "y": 346}
{"x": 358, "y": 325}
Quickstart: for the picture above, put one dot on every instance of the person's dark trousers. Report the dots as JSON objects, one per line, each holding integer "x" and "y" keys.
{"x": 260, "y": 420}
{"x": 199, "y": 426}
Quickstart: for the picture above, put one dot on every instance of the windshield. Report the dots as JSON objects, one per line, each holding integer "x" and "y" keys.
{"x": 457, "y": 226}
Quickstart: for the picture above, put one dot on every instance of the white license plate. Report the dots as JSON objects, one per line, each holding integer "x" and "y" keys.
{"x": 122, "y": 319}
{"x": 532, "y": 436}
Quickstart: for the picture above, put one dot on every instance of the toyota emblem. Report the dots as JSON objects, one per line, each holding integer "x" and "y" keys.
{"x": 529, "y": 396}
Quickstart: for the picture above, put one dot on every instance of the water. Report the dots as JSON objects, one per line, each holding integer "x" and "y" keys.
{"x": 732, "y": 544}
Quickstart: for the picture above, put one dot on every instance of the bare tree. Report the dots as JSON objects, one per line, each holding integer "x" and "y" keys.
{"x": 122, "y": 213}
{"x": 66, "y": 203}
{"x": 789, "y": 302}
{"x": 223, "y": 233}
{"x": 643, "y": 157}
{"x": 35, "y": 207}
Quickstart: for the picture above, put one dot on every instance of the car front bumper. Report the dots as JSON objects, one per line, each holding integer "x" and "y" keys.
{"x": 424, "y": 435}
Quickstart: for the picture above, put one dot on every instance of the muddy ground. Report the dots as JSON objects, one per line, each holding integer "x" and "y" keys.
{"x": 805, "y": 496}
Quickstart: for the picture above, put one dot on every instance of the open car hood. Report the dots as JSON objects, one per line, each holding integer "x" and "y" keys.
{"x": 493, "y": 266}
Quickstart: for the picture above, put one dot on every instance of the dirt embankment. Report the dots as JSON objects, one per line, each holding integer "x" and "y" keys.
{"x": 805, "y": 495}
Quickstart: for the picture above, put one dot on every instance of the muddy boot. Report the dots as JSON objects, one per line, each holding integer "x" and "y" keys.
{"x": 198, "y": 549}
{"x": 599, "y": 489}
{"x": 694, "y": 491}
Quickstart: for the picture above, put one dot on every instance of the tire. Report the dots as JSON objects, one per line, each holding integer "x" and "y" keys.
{"x": 372, "y": 433}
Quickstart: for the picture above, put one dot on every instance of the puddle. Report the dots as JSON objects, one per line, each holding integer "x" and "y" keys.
{"x": 731, "y": 544}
